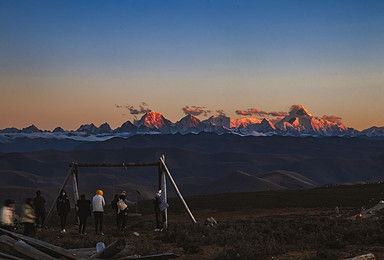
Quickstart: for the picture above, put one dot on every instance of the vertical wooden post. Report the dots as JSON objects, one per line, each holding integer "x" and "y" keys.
{"x": 160, "y": 179}
{"x": 75, "y": 182}
{"x": 54, "y": 202}
{"x": 177, "y": 191}
{"x": 75, "y": 185}
{"x": 163, "y": 187}
{"x": 165, "y": 224}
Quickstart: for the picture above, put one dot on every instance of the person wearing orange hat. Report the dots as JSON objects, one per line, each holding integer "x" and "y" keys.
{"x": 98, "y": 204}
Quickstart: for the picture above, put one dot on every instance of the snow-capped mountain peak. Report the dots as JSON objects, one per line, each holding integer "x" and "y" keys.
{"x": 154, "y": 121}
{"x": 297, "y": 122}
{"x": 218, "y": 120}
{"x": 300, "y": 121}
{"x": 244, "y": 122}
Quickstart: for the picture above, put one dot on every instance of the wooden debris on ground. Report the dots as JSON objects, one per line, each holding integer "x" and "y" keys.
{"x": 19, "y": 247}
{"x": 111, "y": 250}
{"x": 369, "y": 256}
{"x": 210, "y": 222}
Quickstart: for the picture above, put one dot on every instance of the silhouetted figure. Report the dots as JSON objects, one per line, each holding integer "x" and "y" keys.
{"x": 115, "y": 208}
{"x": 98, "y": 204}
{"x": 39, "y": 203}
{"x": 63, "y": 207}
{"x": 83, "y": 212}
{"x": 7, "y": 215}
{"x": 160, "y": 206}
{"x": 28, "y": 217}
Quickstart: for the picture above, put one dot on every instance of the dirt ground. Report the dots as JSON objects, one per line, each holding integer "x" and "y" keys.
{"x": 150, "y": 242}
{"x": 250, "y": 226}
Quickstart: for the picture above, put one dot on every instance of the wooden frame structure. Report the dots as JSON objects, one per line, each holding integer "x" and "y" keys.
{"x": 163, "y": 173}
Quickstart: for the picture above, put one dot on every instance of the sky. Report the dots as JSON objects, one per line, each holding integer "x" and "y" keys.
{"x": 68, "y": 63}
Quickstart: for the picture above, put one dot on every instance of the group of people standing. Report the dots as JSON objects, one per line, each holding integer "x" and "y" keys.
{"x": 83, "y": 210}
{"x": 34, "y": 214}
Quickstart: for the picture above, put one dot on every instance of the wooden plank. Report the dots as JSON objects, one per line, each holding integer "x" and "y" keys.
{"x": 115, "y": 164}
{"x": 7, "y": 246}
{"x": 177, "y": 191}
{"x": 123, "y": 253}
{"x": 164, "y": 256}
{"x": 134, "y": 214}
{"x": 54, "y": 202}
{"x": 83, "y": 252}
{"x": 111, "y": 250}
{"x": 369, "y": 256}
{"x": 45, "y": 247}
{"x": 30, "y": 251}
{"x": 7, "y": 240}
{"x": 7, "y": 256}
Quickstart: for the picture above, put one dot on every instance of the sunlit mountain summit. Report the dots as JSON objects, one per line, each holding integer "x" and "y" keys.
{"x": 297, "y": 122}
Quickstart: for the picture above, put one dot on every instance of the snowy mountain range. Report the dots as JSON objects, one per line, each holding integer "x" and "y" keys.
{"x": 298, "y": 122}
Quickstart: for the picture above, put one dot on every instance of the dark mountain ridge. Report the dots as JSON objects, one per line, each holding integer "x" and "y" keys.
{"x": 203, "y": 163}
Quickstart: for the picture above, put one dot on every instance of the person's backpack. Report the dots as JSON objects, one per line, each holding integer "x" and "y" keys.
{"x": 121, "y": 205}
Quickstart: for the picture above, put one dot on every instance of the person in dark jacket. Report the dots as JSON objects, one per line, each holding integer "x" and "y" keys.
{"x": 160, "y": 206}
{"x": 63, "y": 206}
{"x": 39, "y": 203}
{"x": 83, "y": 212}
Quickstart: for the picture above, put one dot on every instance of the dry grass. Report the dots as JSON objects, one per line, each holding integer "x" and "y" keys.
{"x": 285, "y": 225}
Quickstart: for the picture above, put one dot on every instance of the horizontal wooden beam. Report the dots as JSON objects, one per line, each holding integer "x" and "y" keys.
{"x": 114, "y": 164}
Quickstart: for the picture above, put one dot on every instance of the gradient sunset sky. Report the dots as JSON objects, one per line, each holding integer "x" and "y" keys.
{"x": 67, "y": 63}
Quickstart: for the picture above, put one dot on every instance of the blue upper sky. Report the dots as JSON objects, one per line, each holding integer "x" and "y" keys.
{"x": 326, "y": 55}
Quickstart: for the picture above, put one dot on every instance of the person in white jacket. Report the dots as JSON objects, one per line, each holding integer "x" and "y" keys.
{"x": 7, "y": 214}
{"x": 98, "y": 204}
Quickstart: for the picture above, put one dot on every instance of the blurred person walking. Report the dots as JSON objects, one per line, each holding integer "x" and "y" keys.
{"x": 63, "y": 207}
{"x": 39, "y": 203}
{"x": 28, "y": 217}
{"x": 83, "y": 212}
{"x": 98, "y": 204}
{"x": 7, "y": 215}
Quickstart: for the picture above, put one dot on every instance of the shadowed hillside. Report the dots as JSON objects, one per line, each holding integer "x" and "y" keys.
{"x": 200, "y": 164}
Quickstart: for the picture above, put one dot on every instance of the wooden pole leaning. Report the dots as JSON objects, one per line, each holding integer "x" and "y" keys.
{"x": 75, "y": 187}
{"x": 177, "y": 191}
{"x": 70, "y": 173}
